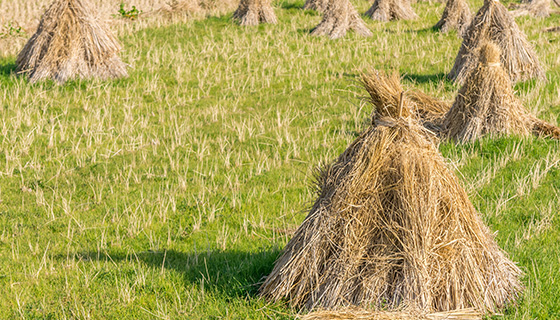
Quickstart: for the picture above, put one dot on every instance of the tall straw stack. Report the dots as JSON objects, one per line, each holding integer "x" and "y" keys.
{"x": 70, "y": 43}
{"x": 388, "y": 10}
{"x": 339, "y": 17}
{"x": 486, "y": 104}
{"x": 493, "y": 22}
{"x": 456, "y": 16}
{"x": 392, "y": 228}
{"x": 254, "y": 12}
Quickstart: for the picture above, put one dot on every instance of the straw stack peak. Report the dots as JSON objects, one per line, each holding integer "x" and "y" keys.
{"x": 386, "y": 94}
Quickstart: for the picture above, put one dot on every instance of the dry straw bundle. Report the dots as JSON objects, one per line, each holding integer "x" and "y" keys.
{"x": 429, "y": 110}
{"x": 535, "y": 8}
{"x": 70, "y": 43}
{"x": 493, "y": 22}
{"x": 392, "y": 228}
{"x": 319, "y": 5}
{"x": 339, "y": 17}
{"x": 486, "y": 104}
{"x": 387, "y": 10}
{"x": 253, "y": 12}
{"x": 456, "y": 15}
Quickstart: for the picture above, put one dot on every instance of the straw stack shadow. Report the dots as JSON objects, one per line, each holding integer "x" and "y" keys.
{"x": 493, "y": 22}
{"x": 392, "y": 229}
{"x": 70, "y": 43}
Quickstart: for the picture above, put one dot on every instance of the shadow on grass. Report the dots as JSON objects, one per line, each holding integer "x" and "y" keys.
{"x": 423, "y": 31}
{"x": 231, "y": 273}
{"x": 7, "y": 69}
{"x": 305, "y": 31}
{"x": 425, "y": 78}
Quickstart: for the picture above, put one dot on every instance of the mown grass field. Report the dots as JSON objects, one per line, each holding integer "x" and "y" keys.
{"x": 169, "y": 194}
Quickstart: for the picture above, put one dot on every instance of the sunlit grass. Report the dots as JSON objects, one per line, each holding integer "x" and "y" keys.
{"x": 170, "y": 194}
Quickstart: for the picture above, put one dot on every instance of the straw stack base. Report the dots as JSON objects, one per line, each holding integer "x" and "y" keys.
{"x": 254, "y": 12}
{"x": 388, "y": 10}
{"x": 362, "y": 314}
{"x": 339, "y": 17}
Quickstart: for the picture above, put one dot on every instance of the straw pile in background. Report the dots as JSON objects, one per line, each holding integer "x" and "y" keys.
{"x": 70, "y": 43}
{"x": 254, "y": 12}
{"x": 535, "y": 8}
{"x": 392, "y": 227}
{"x": 339, "y": 17}
{"x": 387, "y": 10}
{"x": 456, "y": 16}
{"x": 181, "y": 8}
{"x": 319, "y": 5}
{"x": 486, "y": 104}
{"x": 493, "y": 22}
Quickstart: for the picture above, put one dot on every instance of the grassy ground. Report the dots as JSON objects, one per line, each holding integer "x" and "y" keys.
{"x": 171, "y": 193}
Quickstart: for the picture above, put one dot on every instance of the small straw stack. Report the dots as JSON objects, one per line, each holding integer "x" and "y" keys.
{"x": 493, "y": 22}
{"x": 486, "y": 104}
{"x": 70, "y": 43}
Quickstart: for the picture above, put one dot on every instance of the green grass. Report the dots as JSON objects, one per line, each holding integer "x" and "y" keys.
{"x": 171, "y": 193}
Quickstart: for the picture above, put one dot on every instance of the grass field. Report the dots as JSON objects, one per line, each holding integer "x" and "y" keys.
{"x": 171, "y": 193}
